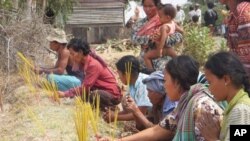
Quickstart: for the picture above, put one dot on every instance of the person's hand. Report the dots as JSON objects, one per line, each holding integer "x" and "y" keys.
{"x": 107, "y": 139}
{"x": 61, "y": 94}
{"x": 130, "y": 104}
{"x": 99, "y": 137}
{"x": 209, "y": 126}
{"x": 109, "y": 116}
{"x": 104, "y": 139}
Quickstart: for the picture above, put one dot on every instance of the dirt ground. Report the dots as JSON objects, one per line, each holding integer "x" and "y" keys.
{"x": 49, "y": 121}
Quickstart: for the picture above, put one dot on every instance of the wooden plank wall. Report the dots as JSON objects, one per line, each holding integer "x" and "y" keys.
{"x": 97, "y": 14}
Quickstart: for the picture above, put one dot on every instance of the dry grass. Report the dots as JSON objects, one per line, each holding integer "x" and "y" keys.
{"x": 1, "y": 93}
{"x": 56, "y": 120}
{"x": 25, "y": 36}
{"x": 26, "y": 117}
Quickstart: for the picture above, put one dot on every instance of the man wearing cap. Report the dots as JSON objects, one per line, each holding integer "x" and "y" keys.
{"x": 58, "y": 42}
{"x": 157, "y": 95}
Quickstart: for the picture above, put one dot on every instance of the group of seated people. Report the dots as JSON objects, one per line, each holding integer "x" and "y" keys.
{"x": 185, "y": 105}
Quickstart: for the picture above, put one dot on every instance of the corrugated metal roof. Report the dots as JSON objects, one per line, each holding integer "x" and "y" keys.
{"x": 97, "y": 14}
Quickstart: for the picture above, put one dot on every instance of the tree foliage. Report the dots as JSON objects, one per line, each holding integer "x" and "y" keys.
{"x": 5, "y": 4}
{"x": 61, "y": 8}
{"x": 198, "y": 43}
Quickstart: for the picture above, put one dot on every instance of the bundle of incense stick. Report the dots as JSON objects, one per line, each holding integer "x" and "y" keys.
{"x": 114, "y": 124}
{"x": 30, "y": 77}
{"x": 51, "y": 89}
{"x": 95, "y": 114}
{"x": 128, "y": 68}
{"x": 25, "y": 59}
{"x": 81, "y": 118}
{"x": 86, "y": 113}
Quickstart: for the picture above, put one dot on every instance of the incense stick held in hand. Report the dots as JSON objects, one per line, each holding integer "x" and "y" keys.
{"x": 128, "y": 68}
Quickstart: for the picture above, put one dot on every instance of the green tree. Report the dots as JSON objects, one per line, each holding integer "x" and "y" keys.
{"x": 5, "y": 4}
{"x": 60, "y": 8}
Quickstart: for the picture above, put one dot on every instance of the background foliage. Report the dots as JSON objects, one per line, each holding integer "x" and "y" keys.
{"x": 198, "y": 43}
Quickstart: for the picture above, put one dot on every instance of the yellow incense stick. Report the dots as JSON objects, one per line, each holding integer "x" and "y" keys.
{"x": 128, "y": 68}
{"x": 115, "y": 123}
{"x": 25, "y": 59}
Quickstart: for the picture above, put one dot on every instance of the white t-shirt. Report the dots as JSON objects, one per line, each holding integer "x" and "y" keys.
{"x": 198, "y": 13}
{"x": 180, "y": 16}
{"x": 191, "y": 14}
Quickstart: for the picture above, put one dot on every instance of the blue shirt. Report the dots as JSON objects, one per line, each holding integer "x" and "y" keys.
{"x": 139, "y": 92}
{"x": 168, "y": 106}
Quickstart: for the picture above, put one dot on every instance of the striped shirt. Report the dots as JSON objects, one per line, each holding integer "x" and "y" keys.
{"x": 237, "y": 113}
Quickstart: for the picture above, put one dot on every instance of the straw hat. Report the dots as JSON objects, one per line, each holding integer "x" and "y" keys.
{"x": 57, "y": 35}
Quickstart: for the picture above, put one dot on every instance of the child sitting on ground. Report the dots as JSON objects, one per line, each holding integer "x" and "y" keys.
{"x": 137, "y": 89}
{"x": 166, "y": 13}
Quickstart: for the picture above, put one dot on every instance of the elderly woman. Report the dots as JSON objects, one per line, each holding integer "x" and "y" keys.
{"x": 162, "y": 106}
{"x": 143, "y": 30}
{"x": 181, "y": 124}
{"x": 239, "y": 30}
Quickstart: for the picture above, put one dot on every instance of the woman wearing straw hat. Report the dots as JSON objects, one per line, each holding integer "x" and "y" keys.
{"x": 58, "y": 42}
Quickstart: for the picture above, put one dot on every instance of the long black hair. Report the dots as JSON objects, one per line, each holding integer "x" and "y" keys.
{"x": 79, "y": 45}
{"x": 224, "y": 63}
{"x": 184, "y": 70}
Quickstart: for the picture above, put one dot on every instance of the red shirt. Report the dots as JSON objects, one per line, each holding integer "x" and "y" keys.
{"x": 96, "y": 77}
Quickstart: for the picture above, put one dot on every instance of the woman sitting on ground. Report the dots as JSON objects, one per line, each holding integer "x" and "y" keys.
{"x": 228, "y": 81}
{"x": 98, "y": 78}
{"x": 181, "y": 124}
{"x": 162, "y": 106}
